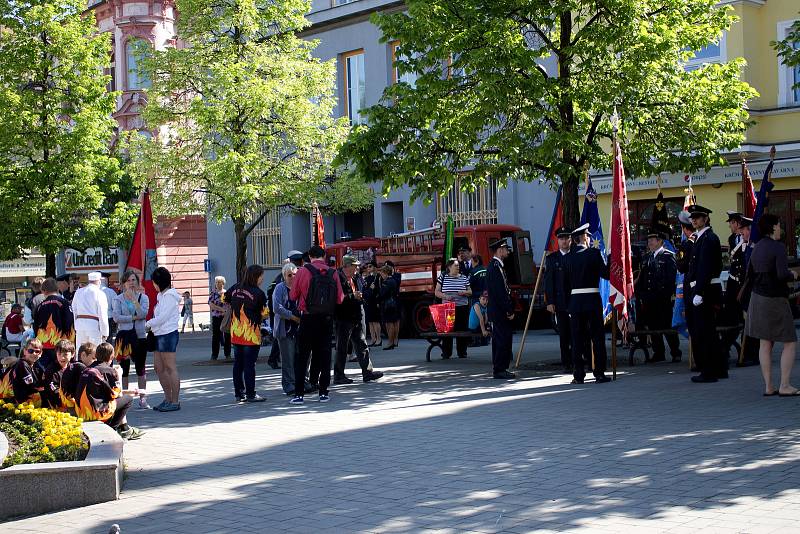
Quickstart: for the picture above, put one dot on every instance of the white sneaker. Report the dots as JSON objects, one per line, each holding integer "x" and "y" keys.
{"x": 143, "y": 404}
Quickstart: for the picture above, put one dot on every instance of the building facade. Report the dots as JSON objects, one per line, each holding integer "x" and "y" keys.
{"x": 364, "y": 69}
{"x": 776, "y": 116}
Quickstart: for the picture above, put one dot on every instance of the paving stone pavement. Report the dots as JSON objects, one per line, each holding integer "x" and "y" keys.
{"x": 440, "y": 447}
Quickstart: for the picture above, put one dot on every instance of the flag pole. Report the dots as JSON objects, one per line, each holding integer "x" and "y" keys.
{"x": 530, "y": 308}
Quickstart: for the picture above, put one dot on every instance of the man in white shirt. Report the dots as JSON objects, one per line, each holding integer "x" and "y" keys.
{"x": 90, "y": 308}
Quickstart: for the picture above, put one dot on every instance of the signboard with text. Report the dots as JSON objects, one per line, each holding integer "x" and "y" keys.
{"x": 33, "y": 265}
{"x": 91, "y": 259}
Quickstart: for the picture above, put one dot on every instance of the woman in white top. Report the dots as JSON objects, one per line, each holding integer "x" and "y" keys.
{"x": 129, "y": 310}
{"x": 454, "y": 287}
{"x": 164, "y": 326}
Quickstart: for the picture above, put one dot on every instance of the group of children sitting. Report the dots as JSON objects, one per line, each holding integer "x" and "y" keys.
{"x": 86, "y": 384}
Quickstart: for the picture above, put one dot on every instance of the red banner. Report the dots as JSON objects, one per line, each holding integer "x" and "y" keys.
{"x": 556, "y": 222}
{"x": 319, "y": 228}
{"x": 619, "y": 257}
{"x": 748, "y": 194}
{"x": 142, "y": 256}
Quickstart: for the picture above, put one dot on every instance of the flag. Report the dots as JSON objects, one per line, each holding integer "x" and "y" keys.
{"x": 556, "y": 221}
{"x": 621, "y": 279}
{"x": 449, "y": 231}
{"x": 591, "y": 215}
{"x": 748, "y": 194}
{"x": 762, "y": 200}
{"x": 142, "y": 252}
{"x": 319, "y": 227}
{"x": 678, "y": 309}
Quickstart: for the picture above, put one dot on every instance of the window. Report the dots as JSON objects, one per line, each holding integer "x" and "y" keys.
{"x": 355, "y": 85}
{"x": 477, "y": 207}
{"x": 409, "y": 77}
{"x": 136, "y": 80}
{"x": 711, "y": 53}
{"x": 111, "y": 70}
{"x": 266, "y": 239}
{"x": 342, "y": 2}
{"x": 788, "y": 77}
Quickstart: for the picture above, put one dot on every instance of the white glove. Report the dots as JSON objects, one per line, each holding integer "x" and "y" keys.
{"x": 697, "y": 300}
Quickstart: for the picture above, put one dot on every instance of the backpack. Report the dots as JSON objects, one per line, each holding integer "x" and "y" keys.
{"x": 321, "y": 298}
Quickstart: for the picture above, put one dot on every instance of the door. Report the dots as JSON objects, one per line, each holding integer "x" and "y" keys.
{"x": 523, "y": 258}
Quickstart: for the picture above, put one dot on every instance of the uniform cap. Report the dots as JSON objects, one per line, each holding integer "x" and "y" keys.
{"x": 656, "y": 233}
{"x": 295, "y": 255}
{"x": 563, "y": 231}
{"x": 696, "y": 210}
{"x": 733, "y": 216}
{"x": 684, "y": 218}
{"x": 350, "y": 260}
{"x": 62, "y": 278}
{"x": 582, "y": 229}
{"x": 95, "y": 276}
{"x": 745, "y": 221}
{"x": 499, "y": 243}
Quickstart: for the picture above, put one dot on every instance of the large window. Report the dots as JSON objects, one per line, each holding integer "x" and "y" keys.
{"x": 477, "y": 207}
{"x": 266, "y": 239}
{"x": 355, "y": 85}
{"x": 409, "y": 77}
{"x": 711, "y": 53}
{"x": 136, "y": 80}
{"x": 788, "y": 77}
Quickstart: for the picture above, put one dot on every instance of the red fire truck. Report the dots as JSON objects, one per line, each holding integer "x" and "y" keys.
{"x": 419, "y": 256}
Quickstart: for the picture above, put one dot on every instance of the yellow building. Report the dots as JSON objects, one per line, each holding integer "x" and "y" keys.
{"x": 777, "y": 122}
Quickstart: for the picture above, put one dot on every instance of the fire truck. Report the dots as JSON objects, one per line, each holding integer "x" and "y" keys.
{"x": 419, "y": 257}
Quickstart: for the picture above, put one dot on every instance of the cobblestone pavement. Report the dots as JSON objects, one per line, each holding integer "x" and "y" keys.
{"x": 441, "y": 447}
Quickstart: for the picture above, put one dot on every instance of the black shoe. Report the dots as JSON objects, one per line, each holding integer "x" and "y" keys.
{"x": 339, "y": 380}
{"x": 462, "y": 355}
{"x": 390, "y": 347}
{"x": 577, "y": 381}
{"x": 239, "y": 398}
{"x": 255, "y": 398}
{"x": 373, "y": 375}
{"x": 601, "y": 379}
{"x": 214, "y": 358}
{"x": 505, "y": 375}
{"x": 700, "y": 379}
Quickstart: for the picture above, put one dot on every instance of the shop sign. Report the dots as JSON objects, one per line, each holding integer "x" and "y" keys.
{"x": 31, "y": 266}
{"x": 91, "y": 259}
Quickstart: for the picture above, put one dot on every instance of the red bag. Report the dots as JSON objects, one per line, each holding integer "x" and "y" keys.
{"x": 444, "y": 316}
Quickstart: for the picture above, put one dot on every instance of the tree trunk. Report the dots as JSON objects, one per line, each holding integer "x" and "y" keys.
{"x": 241, "y": 248}
{"x": 572, "y": 214}
{"x": 50, "y": 265}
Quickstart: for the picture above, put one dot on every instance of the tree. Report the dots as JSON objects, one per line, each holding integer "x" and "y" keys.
{"x": 59, "y": 183}
{"x": 789, "y": 48}
{"x": 245, "y": 117}
{"x": 524, "y": 89}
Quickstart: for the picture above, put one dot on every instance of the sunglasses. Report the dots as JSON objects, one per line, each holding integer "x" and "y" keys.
{"x": 33, "y": 351}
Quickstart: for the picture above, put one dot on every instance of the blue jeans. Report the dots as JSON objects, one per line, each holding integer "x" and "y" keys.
{"x": 244, "y": 370}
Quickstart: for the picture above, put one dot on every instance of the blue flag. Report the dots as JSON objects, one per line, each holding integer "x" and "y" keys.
{"x": 762, "y": 201}
{"x": 591, "y": 215}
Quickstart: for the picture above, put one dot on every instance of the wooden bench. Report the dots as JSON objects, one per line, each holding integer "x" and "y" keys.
{"x": 435, "y": 339}
{"x": 638, "y": 342}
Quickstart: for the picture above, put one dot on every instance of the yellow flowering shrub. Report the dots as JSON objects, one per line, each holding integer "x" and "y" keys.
{"x": 40, "y": 434}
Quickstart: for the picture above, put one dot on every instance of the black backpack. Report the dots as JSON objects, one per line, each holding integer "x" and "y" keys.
{"x": 321, "y": 298}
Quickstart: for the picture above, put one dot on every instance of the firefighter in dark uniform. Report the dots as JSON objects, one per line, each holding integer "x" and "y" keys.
{"x": 656, "y": 289}
{"x": 735, "y": 281}
{"x": 500, "y": 310}
{"x": 555, "y": 293}
{"x": 684, "y": 248}
{"x": 585, "y": 267}
{"x": 703, "y": 293}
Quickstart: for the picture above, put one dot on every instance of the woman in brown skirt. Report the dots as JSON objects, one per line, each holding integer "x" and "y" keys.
{"x": 769, "y": 316}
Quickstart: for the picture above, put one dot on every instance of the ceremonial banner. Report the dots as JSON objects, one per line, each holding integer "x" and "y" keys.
{"x": 679, "y": 309}
{"x": 762, "y": 200}
{"x": 621, "y": 271}
{"x": 555, "y": 222}
{"x": 142, "y": 253}
{"x": 319, "y": 227}
{"x": 748, "y": 194}
{"x": 591, "y": 215}
{"x": 449, "y": 232}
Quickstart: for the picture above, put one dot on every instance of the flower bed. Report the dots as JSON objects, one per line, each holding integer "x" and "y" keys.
{"x": 40, "y": 435}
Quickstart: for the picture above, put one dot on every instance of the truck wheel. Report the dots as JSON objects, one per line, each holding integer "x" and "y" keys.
{"x": 421, "y": 320}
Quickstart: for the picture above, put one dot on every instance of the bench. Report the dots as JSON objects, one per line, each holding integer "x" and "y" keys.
{"x": 435, "y": 339}
{"x": 638, "y": 342}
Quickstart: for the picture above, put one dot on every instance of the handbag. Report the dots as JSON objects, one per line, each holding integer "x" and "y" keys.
{"x": 150, "y": 342}
{"x": 225, "y": 323}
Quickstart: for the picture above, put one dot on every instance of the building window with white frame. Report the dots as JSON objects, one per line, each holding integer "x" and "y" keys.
{"x": 466, "y": 208}
{"x": 355, "y": 85}
{"x": 408, "y": 77}
{"x": 266, "y": 240}
{"x": 133, "y": 57}
{"x": 788, "y": 77}
{"x": 335, "y": 3}
{"x": 714, "y": 52}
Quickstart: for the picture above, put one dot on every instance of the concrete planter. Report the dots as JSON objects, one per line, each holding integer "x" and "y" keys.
{"x": 35, "y": 489}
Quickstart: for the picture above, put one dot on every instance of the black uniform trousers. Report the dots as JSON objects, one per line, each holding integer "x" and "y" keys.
{"x": 564, "y": 338}
{"x": 702, "y": 322}
{"x": 351, "y": 334}
{"x": 314, "y": 344}
{"x": 657, "y": 315}
{"x": 588, "y": 326}
{"x": 502, "y": 334}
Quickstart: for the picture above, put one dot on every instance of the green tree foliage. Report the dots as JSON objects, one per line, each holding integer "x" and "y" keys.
{"x": 789, "y": 48}
{"x": 245, "y": 117}
{"x": 59, "y": 184}
{"x": 524, "y": 89}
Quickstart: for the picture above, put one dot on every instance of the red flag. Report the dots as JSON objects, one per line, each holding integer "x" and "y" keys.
{"x": 748, "y": 194}
{"x": 319, "y": 228}
{"x": 619, "y": 258}
{"x": 142, "y": 253}
{"x": 556, "y": 222}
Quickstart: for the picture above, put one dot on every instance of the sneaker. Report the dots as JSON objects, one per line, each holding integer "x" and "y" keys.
{"x": 239, "y": 398}
{"x": 171, "y": 407}
{"x": 143, "y": 404}
{"x": 339, "y": 380}
{"x": 324, "y": 398}
{"x": 373, "y": 375}
{"x": 296, "y": 400}
{"x": 135, "y": 434}
{"x": 160, "y": 406}
{"x": 125, "y": 434}
{"x": 255, "y": 398}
